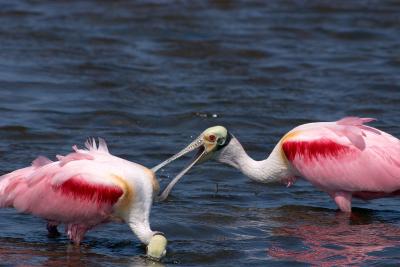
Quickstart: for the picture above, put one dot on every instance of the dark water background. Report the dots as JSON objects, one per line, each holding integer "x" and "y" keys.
{"x": 148, "y": 76}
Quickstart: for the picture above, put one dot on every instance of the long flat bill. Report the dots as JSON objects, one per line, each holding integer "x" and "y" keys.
{"x": 192, "y": 146}
{"x": 169, "y": 187}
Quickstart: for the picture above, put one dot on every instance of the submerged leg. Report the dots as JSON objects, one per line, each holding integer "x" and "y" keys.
{"x": 52, "y": 229}
{"x": 76, "y": 232}
{"x": 342, "y": 200}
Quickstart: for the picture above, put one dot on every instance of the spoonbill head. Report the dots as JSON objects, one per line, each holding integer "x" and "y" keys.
{"x": 208, "y": 143}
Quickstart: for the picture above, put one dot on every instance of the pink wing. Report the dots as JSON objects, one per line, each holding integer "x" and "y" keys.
{"x": 345, "y": 156}
{"x": 77, "y": 189}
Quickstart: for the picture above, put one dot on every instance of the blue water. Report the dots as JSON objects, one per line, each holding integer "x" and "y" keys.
{"x": 149, "y": 76}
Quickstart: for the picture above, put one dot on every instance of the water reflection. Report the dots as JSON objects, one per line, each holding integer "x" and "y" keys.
{"x": 18, "y": 252}
{"x": 333, "y": 240}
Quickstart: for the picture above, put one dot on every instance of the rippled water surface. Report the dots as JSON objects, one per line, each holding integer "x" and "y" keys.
{"x": 148, "y": 76}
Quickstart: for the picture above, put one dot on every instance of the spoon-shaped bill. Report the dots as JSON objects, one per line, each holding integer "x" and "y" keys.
{"x": 156, "y": 249}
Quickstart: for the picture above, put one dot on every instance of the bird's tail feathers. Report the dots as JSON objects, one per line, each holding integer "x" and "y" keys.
{"x": 91, "y": 145}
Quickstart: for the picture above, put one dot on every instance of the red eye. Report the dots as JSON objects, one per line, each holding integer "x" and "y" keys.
{"x": 211, "y": 137}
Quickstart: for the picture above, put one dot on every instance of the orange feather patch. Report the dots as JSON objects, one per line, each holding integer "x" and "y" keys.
{"x": 78, "y": 188}
{"x": 310, "y": 150}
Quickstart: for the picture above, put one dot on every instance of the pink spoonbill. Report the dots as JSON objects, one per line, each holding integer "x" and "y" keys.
{"x": 86, "y": 188}
{"x": 344, "y": 158}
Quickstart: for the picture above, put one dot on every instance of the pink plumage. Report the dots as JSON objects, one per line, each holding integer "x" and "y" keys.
{"x": 312, "y": 150}
{"x": 345, "y": 159}
{"x": 83, "y": 189}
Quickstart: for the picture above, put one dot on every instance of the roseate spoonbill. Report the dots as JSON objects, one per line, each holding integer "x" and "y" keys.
{"x": 86, "y": 188}
{"x": 344, "y": 158}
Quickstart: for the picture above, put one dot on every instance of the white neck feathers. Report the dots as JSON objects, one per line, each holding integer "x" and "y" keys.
{"x": 272, "y": 169}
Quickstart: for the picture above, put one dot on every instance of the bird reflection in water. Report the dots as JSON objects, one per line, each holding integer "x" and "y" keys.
{"x": 334, "y": 240}
{"x": 19, "y": 252}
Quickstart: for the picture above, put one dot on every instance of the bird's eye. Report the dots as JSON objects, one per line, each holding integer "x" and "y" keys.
{"x": 211, "y": 137}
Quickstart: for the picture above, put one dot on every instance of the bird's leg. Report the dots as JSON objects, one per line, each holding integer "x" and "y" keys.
{"x": 289, "y": 181}
{"x": 52, "y": 229}
{"x": 76, "y": 232}
{"x": 342, "y": 200}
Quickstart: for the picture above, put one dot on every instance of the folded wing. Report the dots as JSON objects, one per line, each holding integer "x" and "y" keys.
{"x": 345, "y": 156}
{"x": 78, "y": 188}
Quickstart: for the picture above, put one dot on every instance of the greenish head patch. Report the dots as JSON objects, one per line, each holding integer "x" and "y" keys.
{"x": 216, "y": 134}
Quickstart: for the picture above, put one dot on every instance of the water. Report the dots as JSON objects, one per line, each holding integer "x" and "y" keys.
{"x": 149, "y": 76}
